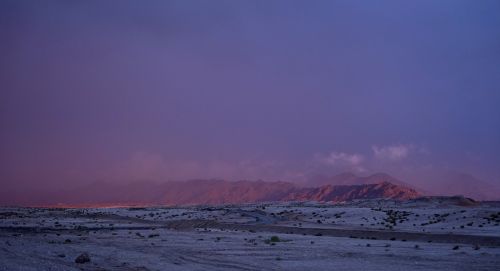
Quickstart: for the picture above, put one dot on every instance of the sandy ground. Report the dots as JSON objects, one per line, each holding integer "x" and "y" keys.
{"x": 368, "y": 236}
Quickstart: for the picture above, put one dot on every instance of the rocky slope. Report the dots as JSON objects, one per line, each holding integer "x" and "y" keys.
{"x": 339, "y": 193}
{"x": 349, "y": 178}
{"x": 196, "y": 192}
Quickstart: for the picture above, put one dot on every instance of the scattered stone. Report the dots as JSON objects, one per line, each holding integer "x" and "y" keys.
{"x": 83, "y": 258}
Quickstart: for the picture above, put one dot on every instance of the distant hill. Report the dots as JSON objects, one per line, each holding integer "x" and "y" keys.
{"x": 342, "y": 187}
{"x": 349, "y": 178}
{"x": 221, "y": 192}
{"x": 340, "y": 193}
{"x": 456, "y": 183}
{"x": 224, "y": 192}
{"x": 215, "y": 192}
{"x": 445, "y": 184}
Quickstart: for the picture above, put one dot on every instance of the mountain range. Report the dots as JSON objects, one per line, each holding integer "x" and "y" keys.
{"x": 195, "y": 192}
{"x": 349, "y": 178}
{"x": 457, "y": 183}
{"x": 337, "y": 188}
{"x": 445, "y": 184}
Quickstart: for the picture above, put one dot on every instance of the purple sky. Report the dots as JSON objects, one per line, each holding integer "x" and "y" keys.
{"x": 171, "y": 90}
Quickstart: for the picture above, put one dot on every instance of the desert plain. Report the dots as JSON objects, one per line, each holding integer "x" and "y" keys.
{"x": 421, "y": 234}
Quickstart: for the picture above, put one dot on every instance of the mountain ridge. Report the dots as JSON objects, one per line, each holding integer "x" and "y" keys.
{"x": 217, "y": 192}
{"x": 341, "y": 187}
{"x": 349, "y": 178}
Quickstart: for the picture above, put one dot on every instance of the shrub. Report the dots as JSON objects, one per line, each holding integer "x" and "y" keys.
{"x": 273, "y": 240}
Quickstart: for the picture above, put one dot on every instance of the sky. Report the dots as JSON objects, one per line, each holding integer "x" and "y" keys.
{"x": 277, "y": 90}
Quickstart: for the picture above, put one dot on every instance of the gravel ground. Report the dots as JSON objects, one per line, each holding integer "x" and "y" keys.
{"x": 251, "y": 237}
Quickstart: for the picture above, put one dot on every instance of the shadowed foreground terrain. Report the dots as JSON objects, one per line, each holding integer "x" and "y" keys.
{"x": 430, "y": 234}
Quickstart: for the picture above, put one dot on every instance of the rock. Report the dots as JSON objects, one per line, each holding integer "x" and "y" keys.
{"x": 83, "y": 258}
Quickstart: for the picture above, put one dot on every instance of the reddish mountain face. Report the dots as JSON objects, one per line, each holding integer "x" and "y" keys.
{"x": 348, "y": 178}
{"x": 340, "y": 193}
{"x": 444, "y": 184}
{"x": 224, "y": 192}
{"x": 221, "y": 192}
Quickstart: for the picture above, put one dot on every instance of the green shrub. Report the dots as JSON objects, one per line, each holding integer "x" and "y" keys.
{"x": 275, "y": 239}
